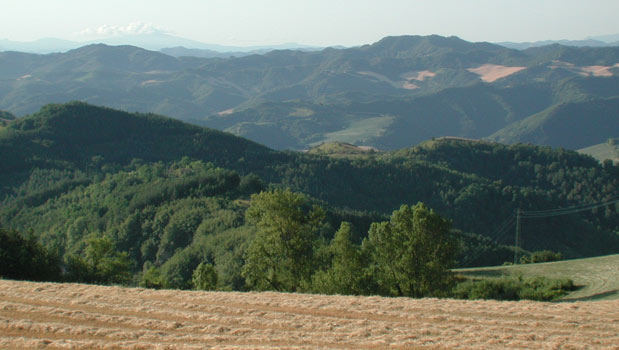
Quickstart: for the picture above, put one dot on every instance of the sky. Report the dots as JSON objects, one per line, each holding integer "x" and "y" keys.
{"x": 315, "y": 22}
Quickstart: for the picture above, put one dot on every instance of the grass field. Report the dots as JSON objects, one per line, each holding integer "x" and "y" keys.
{"x": 74, "y": 316}
{"x": 359, "y": 131}
{"x": 602, "y": 151}
{"x": 598, "y": 277}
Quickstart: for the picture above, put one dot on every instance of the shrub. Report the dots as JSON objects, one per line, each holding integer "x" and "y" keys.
{"x": 541, "y": 256}
{"x": 204, "y": 277}
{"x": 513, "y": 288}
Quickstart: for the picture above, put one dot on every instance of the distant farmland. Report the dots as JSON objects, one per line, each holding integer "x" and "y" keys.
{"x": 74, "y": 316}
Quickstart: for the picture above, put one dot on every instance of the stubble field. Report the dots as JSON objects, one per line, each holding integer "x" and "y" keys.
{"x": 74, "y": 316}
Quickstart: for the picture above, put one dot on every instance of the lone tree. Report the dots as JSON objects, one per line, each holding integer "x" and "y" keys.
{"x": 280, "y": 257}
{"x": 412, "y": 253}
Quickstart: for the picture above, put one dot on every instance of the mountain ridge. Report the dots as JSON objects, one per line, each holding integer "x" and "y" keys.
{"x": 396, "y": 70}
{"x": 150, "y": 41}
{"x": 60, "y": 132}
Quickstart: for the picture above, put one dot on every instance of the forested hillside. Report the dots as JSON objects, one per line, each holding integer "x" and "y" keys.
{"x": 570, "y": 125}
{"x": 155, "y": 197}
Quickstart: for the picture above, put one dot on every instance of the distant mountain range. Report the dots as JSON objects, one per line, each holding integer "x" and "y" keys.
{"x": 150, "y": 41}
{"x": 577, "y": 43}
{"x": 391, "y": 94}
{"x": 179, "y": 46}
{"x": 595, "y": 41}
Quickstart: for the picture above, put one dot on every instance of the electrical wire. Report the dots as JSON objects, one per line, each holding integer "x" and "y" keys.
{"x": 497, "y": 235}
{"x": 567, "y": 210}
{"x": 503, "y": 230}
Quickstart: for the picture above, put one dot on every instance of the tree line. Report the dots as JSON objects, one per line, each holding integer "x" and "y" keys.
{"x": 409, "y": 255}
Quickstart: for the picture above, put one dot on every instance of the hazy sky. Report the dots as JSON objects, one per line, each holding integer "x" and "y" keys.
{"x": 315, "y": 22}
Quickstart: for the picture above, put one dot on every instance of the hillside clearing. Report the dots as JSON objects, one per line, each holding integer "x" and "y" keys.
{"x": 359, "y": 131}
{"x": 598, "y": 277}
{"x": 492, "y": 72}
{"x": 61, "y": 316}
{"x": 602, "y": 152}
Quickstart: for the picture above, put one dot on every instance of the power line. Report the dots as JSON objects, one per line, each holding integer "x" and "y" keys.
{"x": 517, "y": 242}
{"x": 535, "y": 214}
{"x": 575, "y": 206}
{"x": 503, "y": 230}
{"x": 568, "y": 210}
{"x": 496, "y": 236}
{"x": 480, "y": 250}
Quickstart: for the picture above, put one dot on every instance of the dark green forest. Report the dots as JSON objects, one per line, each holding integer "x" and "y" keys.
{"x": 140, "y": 199}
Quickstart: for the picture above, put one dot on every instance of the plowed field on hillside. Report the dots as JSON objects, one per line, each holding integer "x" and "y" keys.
{"x": 74, "y": 316}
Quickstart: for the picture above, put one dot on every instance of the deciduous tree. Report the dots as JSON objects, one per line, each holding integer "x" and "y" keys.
{"x": 412, "y": 253}
{"x": 280, "y": 256}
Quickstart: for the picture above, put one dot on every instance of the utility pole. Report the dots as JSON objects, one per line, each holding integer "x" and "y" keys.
{"x": 517, "y": 243}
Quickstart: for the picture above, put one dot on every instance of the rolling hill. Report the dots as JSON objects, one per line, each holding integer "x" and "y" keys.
{"x": 173, "y": 194}
{"x": 570, "y": 125}
{"x": 476, "y": 111}
{"x": 406, "y": 89}
{"x": 76, "y": 132}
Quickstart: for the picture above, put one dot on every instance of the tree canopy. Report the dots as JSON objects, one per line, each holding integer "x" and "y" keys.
{"x": 280, "y": 255}
{"x": 412, "y": 252}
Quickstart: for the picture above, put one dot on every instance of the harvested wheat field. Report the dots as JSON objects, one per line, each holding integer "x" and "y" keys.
{"x": 492, "y": 72}
{"x": 74, "y": 316}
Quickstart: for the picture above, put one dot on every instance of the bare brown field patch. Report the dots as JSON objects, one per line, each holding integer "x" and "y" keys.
{"x": 74, "y": 316}
{"x": 493, "y": 72}
{"x": 598, "y": 71}
{"x": 587, "y": 71}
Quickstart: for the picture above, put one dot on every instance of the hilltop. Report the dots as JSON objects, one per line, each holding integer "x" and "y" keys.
{"x": 76, "y": 133}
{"x": 341, "y": 149}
